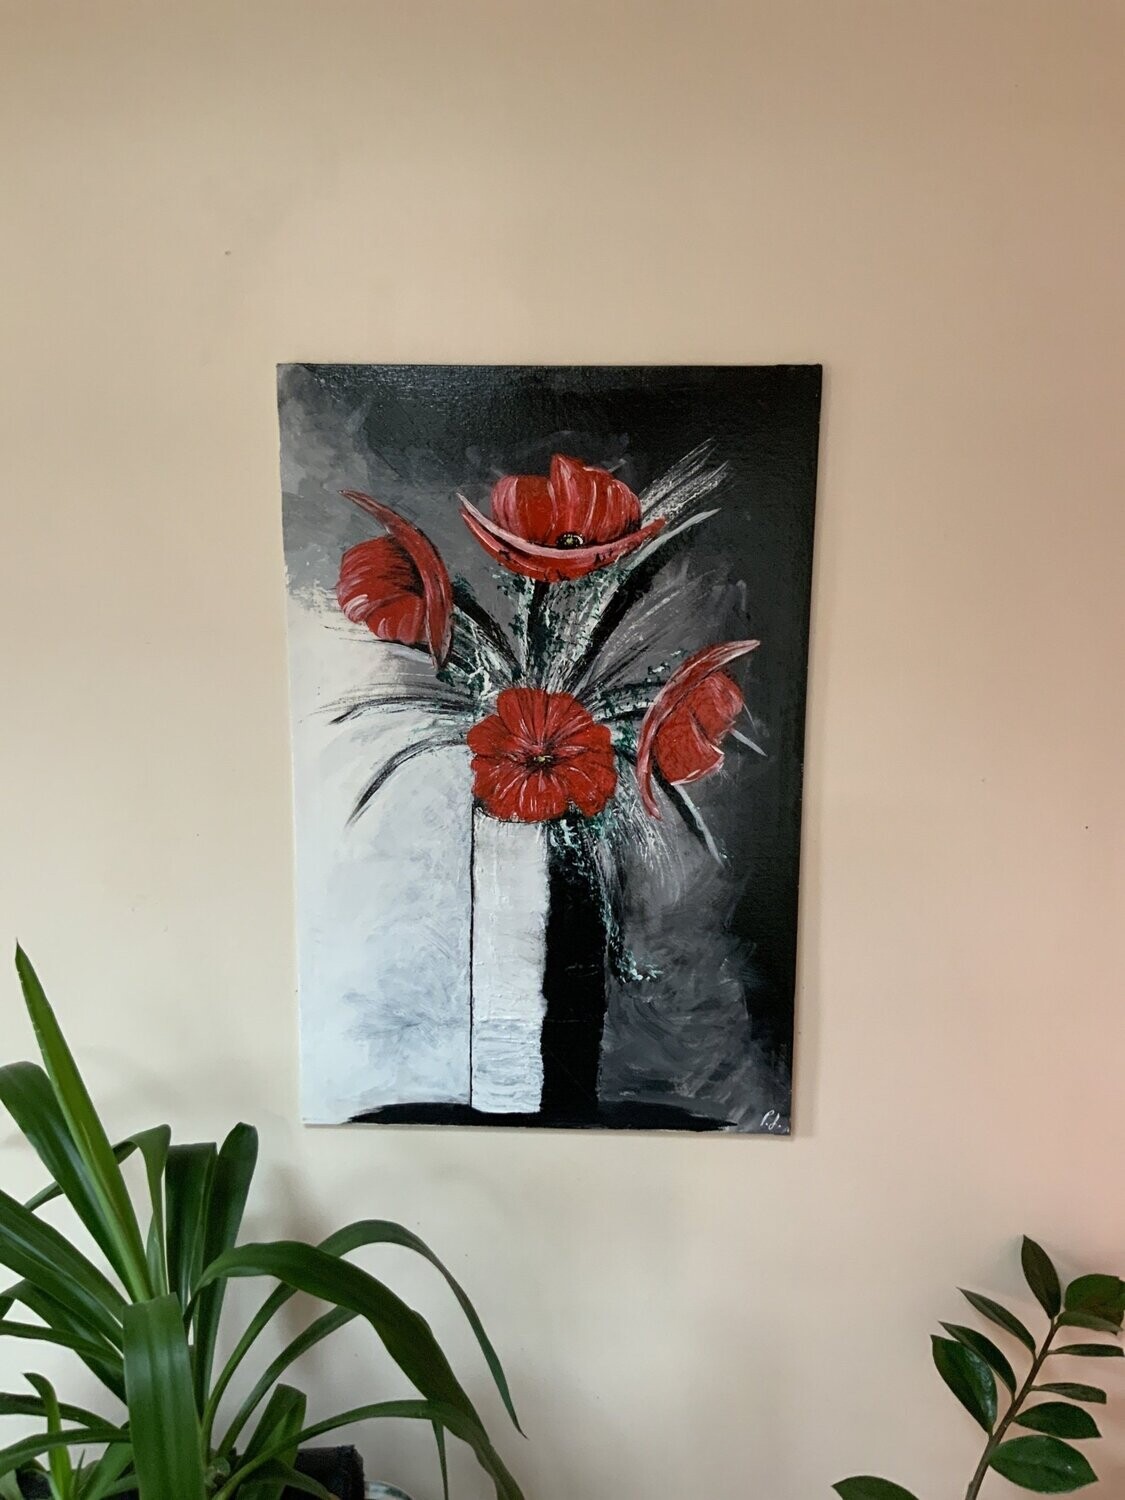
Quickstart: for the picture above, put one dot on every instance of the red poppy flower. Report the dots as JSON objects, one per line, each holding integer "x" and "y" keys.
{"x": 689, "y": 719}
{"x": 539, "y": 754}
{"x": 397, "y": 585}
{"x": 566, "y": 526}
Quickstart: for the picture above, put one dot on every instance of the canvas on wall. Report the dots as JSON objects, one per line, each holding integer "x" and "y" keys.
{"x": 548, "y": 633}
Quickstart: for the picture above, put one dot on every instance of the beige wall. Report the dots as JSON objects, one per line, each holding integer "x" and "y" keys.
{"x": 929, "y": 197}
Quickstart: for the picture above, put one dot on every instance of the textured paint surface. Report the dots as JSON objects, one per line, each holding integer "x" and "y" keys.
{"x": 664, "y": 933}
{"x": 509, "y": 897}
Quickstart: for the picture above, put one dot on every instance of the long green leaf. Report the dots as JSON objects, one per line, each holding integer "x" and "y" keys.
{"x": 187, "y": 1184}
{"x": 154, "y": 1145}
{"x": 342, "y": 1242}
{"x": 35, "y": 1333}
{"x": 969, "y": 1378}
{"x": 283, "y": 1418}
{"x": 86, "y": 1130}
{"x": 403, "y": 1332}
{"x": 226, "y": 1204}
{"x": 39, "y": 1253}
{"x": 318, "y": 1330}
{"x": 1090, "y": 1351}
{"x": 1001, "y": 1317}
{"x": 103, "y": 1479}
{"x": 62, "y": 1470}
{"x": 27, "y": 1095}
{"x": 386, "y": 1232}
{"x": 434, "y": 1412}
{"x": 51, "y": 1190}
{"x": 64, "y": 1320}
{"x": 1043, "y": 1464}
{"x": 16, "y": 1455}
{"x": 35, "y": 1406}
{"x": 1041, "y": 1276}
{"x": 163, "y": 1425}
{"x": 283, "y": 1478}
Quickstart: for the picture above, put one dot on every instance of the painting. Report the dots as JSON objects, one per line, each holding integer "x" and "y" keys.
{"x": 548, "y": 639}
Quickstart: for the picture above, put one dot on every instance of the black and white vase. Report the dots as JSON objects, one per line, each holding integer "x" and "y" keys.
{"x": 538, "y": 972}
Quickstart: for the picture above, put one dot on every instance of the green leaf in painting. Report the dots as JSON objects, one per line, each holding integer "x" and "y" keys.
{"x": 163, "y": 1425}
{"x": 1059, "y": 1419}
{"x": 987, "y": 1350}
{"x": 1001, "y": 1317}
{"x": 1088, "y": 1393}
{"x": 1043, "y": 1464}
{"x": 1041, "y": 1276}
{"x": 864, "y": 1487}
{"x": 969, "y": 1378}
{"x": 1091, "y": 1351}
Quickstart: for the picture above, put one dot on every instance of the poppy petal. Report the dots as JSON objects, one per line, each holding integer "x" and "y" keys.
{"x": 550, "y": 564}
{"x": 591, "y": 503}
{"x": 436, "y": 587}
{"x": 522, "y": 503}
{"x": 685, "y": 680}
{"x": 687, "y": 744}
{"x": 589, "y": 782}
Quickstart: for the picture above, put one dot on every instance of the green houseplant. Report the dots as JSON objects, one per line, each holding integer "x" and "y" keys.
{"x": 1041, "y": 1456}
{"x": 146, "y": 1323}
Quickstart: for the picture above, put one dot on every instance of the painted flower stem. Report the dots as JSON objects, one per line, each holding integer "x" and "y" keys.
{"x": 1011, "y": 1414}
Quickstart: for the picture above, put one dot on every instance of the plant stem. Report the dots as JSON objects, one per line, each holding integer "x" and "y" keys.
{"x": 1010, "y": 1415}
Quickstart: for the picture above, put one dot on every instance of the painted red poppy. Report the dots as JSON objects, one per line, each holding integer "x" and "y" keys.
{"x": 693, "y": 713}
{"x": 540, "y": 754}
{"x": 397, "y": 585}
{"x": 575, "y": 521}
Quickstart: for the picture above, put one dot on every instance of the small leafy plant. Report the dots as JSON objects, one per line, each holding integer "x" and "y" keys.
{"x": 146, "y": 1325}
{"x": 1043, "y": 1457}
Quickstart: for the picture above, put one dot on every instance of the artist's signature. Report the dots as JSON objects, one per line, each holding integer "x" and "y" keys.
{"x": 772, "y": 1121}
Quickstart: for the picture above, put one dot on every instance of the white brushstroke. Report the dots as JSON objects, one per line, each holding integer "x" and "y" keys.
{"x": 383, "y": 906}
{"x": 509, "y": 944}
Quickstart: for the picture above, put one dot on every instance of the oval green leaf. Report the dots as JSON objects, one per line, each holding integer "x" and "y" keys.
{"x": 987, "y": 1350}
{"x": 864, "y": 1487}
{"x": 1041, "y": 1276}
{"x": 1093, "y": 1321}
{"x": 969, "y": 1378}
{"x": 1044, "y": 1465}
{"x": 1059, "y": 1419}
{"x": 1104, "y": 1295}
{"x": 1089, "y": 1393}
{"x": 1091, "y": 1351}
{"x": 1001, "y": 1317}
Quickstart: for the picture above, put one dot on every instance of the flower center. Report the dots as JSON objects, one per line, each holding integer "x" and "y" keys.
{"x": 542, "y": 758}
{"x": 571, "y": 539}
